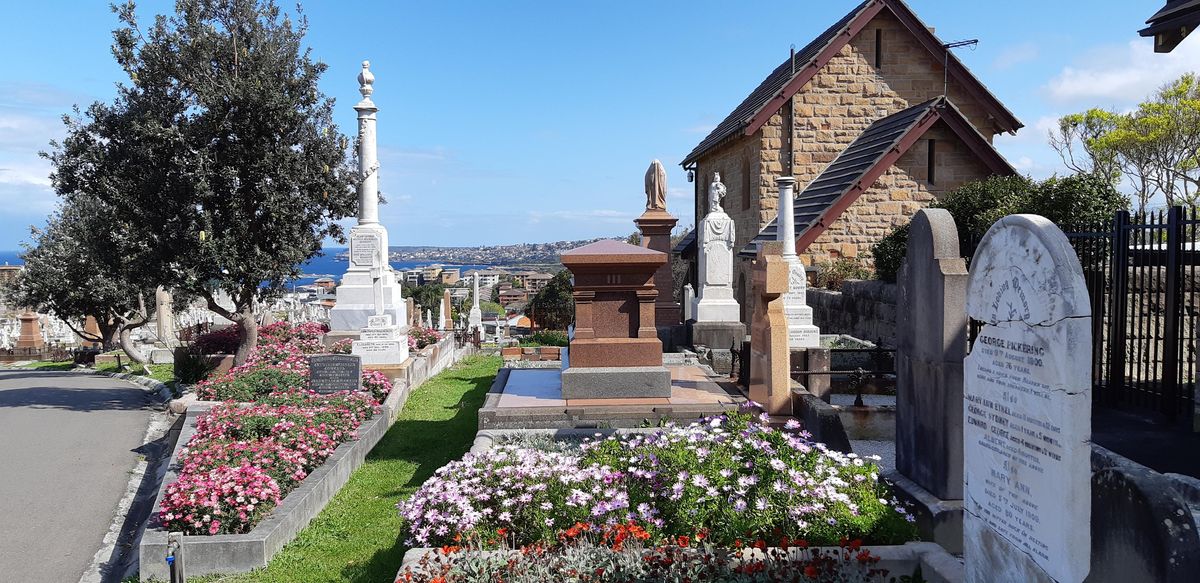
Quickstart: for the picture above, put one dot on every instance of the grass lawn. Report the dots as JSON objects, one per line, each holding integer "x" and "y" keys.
{"x": 356, "y": 538}
{"x": 50, "y": 365}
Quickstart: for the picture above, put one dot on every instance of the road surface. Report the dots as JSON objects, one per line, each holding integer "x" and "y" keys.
{"x": 66, "y": 453}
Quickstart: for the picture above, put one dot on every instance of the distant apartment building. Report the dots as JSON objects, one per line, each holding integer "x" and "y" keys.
{"x": 451, "y": 276}
{"x": 432, "y": 273}
{"x": 535, "y": 282}
{"x": 511, "y": 296}
{"x": 487, "y": 277}
{"x": 414, "y": 277}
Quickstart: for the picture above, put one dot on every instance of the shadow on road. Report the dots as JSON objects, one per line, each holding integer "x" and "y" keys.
{"x": 128, "y": 398}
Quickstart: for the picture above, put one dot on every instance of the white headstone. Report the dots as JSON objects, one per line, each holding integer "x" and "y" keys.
{"x": 1027, "y": 408}
{"x": 475, "y": 317}
{"x": 689, "y": 303}
{"x": 441, "y": 318}
{"x": 381, "y": 342}
{"x": 714, "y": 243}
{"x": 801, "y": 331}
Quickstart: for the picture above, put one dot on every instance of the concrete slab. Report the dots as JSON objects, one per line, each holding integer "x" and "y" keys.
{"x": 533, "y": 388}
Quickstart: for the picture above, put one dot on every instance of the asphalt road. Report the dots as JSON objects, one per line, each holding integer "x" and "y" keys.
{"x": 66, "y": 452}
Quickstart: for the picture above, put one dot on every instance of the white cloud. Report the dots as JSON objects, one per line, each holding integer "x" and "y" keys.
{"x": 1014, "y": 55}
{"x": 676, "y": 192}
{"x": 1121, "y": 75}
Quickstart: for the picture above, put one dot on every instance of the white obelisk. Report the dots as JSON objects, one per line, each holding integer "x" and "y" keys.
{"x": 369, "y": 281}
{"x": 475, "y": 317}
{"x": 801, "y": 331}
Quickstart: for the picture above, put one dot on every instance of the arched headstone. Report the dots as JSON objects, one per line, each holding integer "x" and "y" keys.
{"x": 1027, "y": 408}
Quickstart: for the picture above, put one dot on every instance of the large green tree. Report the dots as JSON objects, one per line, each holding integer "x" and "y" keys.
{"x": 85, "y": 263}
{"x": 220, "y": 150}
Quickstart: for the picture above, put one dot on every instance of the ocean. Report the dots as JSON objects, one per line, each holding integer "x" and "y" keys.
{"x": 325, "y": 264}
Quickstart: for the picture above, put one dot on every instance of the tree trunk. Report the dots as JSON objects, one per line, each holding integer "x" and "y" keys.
{"x": 129, "y": 348}
{"x": 249, "y": 326}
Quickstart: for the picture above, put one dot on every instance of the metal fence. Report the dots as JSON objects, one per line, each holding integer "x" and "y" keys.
{"x": 1142, "y": 278}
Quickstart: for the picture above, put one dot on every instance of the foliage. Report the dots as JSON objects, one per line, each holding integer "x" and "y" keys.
{"x": 86, "y": 262}
{"x": 221, "y": 341}
{"x": 345, "y": 346}
{"x": 730, "y": 477}
{"x": 1081, "y": 199}
{"x": 242, "y": 461}
{"x": 219, "y": 153}
{"x": 832, "y": 274}
{"x": 248, "y": 385}
{"x": 419, "y": 337}
{"x": 618, "y": 553}
{"x": 554, "y": 306}
{"x": 1154, "y": 148}
{"x": 549, "y": 338}
{"x": 491, "y": 308}
{"x": 354, "y": 538}
{"x": 428, "y": 297}
{"x": 192, "y": 367}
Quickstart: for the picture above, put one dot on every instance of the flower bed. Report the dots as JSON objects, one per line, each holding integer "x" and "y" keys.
{"x": 729, "y": 479}
{"x": 268, "y": 435}
{"x": 419, "y": 337}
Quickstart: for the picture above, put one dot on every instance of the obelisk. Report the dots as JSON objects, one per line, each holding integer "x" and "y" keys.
{"x": 369, "y": 281}
{"x": 801, "y": 331}
{"x": 475, "y": 317}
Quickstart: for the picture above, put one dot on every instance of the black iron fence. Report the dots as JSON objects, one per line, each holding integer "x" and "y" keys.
{"x": 1144, "y": 285}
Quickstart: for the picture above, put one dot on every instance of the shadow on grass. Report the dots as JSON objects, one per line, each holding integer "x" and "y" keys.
{"x": 429, "y": 444}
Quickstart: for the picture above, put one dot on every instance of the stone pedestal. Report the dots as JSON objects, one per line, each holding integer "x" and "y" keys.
{"x": 615, "y": 351}
{"x": 356, "y": 293}
{"x": 716, "y": 301}
{"x": 770, "y": 379}
{"x": 655, "y": 226}
{"x": 718, "y": 335}
{"x": 31, "y": 331}
{"x": 381, "y": 342}
{"x": 801, "y": 331}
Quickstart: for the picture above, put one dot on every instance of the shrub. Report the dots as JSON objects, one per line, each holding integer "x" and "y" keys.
{"x": 249, "y": 383}
{"x": 192, "y": 366}
{"x": 889, "y": 253}
{"x": 729, "y": 478}
{"x": 223, "y": 341}
{"x": 832, "y": 274}
{"x": 342, "y": 347}
{"x": 549, "y": 338}
{"x": 419, "y": 337}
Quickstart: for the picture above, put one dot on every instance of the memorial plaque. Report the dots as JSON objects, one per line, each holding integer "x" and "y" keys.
{"x": 376, "y": 347}
{"x": 1027, "y": 408}
{"x": 364, "y": 249}
{"x": 378, "y": 334}
{"x": 381, "y": 321}
{"x": 332, "y": 373}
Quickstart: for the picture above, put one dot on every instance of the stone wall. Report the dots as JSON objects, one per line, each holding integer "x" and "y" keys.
{"x": 862, "y": 309}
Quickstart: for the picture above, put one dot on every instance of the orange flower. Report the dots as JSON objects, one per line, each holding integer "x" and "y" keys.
{"x": 502, "y": 531}
{"x": 683, "y": 540}
{"x": 703, "y": 534}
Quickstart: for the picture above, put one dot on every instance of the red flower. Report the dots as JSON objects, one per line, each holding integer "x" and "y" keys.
{"x": 683, "y": 541}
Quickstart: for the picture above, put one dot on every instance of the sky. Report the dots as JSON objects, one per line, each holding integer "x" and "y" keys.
{"x": 509, "y": 122}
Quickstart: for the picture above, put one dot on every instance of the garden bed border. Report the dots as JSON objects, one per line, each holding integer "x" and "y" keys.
{"x": 937, "y": 565}
{"x": 239, "y": 553}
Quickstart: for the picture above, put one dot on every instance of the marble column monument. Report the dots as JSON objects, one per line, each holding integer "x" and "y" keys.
{"x": 801, "y": 331}
{"x": 475, "y": 317}
{"x": 369, "y": 273}
{"x": 717, "y": 312}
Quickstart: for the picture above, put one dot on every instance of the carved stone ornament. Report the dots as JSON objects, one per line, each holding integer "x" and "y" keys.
{"x": 656, "y": 187}
{"x": 716, "y": 194}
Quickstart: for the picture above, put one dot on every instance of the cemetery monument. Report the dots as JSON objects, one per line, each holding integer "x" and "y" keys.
{"x": 718, "y": 315}
{"x": 801, "y": 331}
{"x": 655, "y": 225}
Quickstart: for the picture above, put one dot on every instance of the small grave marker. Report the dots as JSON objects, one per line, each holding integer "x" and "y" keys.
{"x": 332, "y": 373}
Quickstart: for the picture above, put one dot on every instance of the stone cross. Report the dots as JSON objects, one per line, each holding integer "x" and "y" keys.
{"x": 1027, "y": 408}
{"x": 770, "y": 378}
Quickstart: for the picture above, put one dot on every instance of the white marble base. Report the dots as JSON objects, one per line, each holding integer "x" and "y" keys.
{"x": 717, "y": 310}
{"x": 353, "y": 317}
{"x": 475, "y": 318}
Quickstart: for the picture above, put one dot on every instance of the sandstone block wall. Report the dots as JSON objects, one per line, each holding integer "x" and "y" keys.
{"x": 863, "y": 309}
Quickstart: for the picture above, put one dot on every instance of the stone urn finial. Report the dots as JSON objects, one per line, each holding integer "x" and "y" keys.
{"x": 366, "y": 80}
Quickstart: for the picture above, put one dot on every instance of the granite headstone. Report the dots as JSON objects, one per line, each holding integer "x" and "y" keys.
{"x": 333, "y": 373}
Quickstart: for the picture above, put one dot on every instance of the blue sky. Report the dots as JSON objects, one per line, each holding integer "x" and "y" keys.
{"x": 535, "y": 121}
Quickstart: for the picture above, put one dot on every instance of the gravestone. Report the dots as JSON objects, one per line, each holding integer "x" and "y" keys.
{"x": 717, "y": 312}
{"x": 475, "y": 316}
{"x": 332, "y": 373}
{"x": 931, "y": 336}
{"x": 655, "y": 225}
{"x": 381, "y": 342}
{"x": 1027, "y": 408}
{"x": 802, "y": 333}
{"x": 615, "y": 351}
{"x": 770, "y": 380}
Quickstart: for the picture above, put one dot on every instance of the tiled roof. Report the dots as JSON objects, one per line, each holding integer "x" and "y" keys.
{"x": 1172, "y": 24}
{"x": 770, "y": 87}
{"x": 794, "y": 73}
{"x": 864, "y": 160}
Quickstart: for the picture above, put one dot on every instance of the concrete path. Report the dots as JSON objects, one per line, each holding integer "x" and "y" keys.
{"x": 66, "y": 452}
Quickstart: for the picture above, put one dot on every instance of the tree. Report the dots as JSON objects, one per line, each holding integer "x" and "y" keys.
{"x": 1154, "y": 149}
{"x": 85, "y": 264}
{"x": 554, "y": 306}
{"x": 428, "y": 297}
{"x": 221, "y": 152}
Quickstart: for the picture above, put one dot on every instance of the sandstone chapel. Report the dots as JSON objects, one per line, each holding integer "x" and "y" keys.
{"x": 871, "y": 124}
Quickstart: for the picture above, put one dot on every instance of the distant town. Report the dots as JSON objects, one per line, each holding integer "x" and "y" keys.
{"x": 510, "y": 255}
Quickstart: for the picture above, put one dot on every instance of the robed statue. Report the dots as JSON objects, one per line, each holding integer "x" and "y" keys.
{"x": 656, "y": 187}
{"x": 716, "y": 193}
